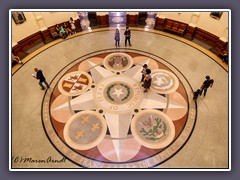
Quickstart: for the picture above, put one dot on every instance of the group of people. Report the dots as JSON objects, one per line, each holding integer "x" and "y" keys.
{"x": 146, "y": 72}
{"x": 127, "y": 35}
{"x": 64, "y": 30}
{"x": 206, "y": 84}
{"x": 147, "y": 80}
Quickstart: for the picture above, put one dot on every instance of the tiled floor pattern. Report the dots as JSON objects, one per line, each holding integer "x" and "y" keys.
{"x": 49, "y": 130}
{"x": 119, "y": 141}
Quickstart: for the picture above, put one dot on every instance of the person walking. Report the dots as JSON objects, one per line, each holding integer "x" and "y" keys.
{"x": 127, "y": 34}
{"x": 145, "y": 66}
{"x": 117, "y": 38}
{"x": 206, "y": 84}
{"x": 39, "y": 75}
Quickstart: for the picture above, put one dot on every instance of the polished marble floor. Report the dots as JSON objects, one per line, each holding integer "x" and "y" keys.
{"x": 96, "y": 114}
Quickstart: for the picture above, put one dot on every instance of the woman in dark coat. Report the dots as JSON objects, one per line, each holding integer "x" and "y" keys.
{"x": 147, "y": 80}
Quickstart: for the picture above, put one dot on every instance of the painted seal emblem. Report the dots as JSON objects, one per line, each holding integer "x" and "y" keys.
{"x": 117, "y": 19}
{"x": 75, "y": 83}
{"x": 118, "y": 94}
{"x": 153, "y": 129}
{"x": 85, "y": 130}
{"x": 164, "y": 81}
{"x": 118, "y": 62}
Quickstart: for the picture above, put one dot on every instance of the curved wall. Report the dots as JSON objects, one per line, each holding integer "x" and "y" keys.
{"x": 203, "y": 20}
{"x": 39, "y": 21}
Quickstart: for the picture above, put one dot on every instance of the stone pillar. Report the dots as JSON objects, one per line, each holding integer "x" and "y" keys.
{"x": 194, "y": 18}
{"x": 39, "y": 19}
{"x": 150, "y": 21}
{"x": 83, "y": 17}
{"x": 224, "y": 36}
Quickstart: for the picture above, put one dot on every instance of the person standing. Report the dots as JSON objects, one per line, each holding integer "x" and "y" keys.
{"x": 206, "y": 84}
{"x": 39, "y": 75}
{"x": 73, "y": 27}
{"x": 117, "y": 38}
{"x": 147, "y": 80}
{"x": 145, "y": 66}
{"x": 127, "y": 34}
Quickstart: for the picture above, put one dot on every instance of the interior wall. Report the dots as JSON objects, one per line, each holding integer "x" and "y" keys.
{"x": 101, "y": 13}
{"x": 215, "y": 26}
{"x": 52, "y": 18}
{"x": 203, "y": 20}
{"x": 30, "y": 26}
{"x": 36, "y": 21}
{"x": 133, "y": 13}
{"x": 184, "y": 17}
{"x": 105, "y": 13}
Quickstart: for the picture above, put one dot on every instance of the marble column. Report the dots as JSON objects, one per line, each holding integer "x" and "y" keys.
{"x": 39, "y": 19}
{"x": 150, "y": 21}
{"x": 224, "y": 36}
{"x": 83, "y": 17}
{"x": 194, "y": 18}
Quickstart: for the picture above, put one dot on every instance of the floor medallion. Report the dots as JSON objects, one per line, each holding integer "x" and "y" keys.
{"x": 98, "y": 115}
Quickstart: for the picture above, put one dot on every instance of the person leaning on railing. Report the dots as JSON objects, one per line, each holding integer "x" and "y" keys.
{"x": 16, "y": 59}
